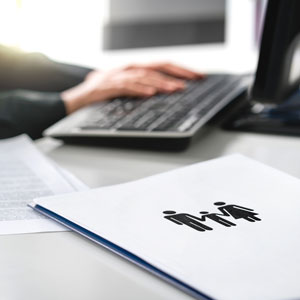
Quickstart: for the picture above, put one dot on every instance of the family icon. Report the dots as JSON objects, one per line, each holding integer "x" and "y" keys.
{"x": 227, "y": 210}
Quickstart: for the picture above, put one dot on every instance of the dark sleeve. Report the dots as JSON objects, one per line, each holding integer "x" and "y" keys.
{"x": 34, "y": 71}
{"x": 29, "y": 112}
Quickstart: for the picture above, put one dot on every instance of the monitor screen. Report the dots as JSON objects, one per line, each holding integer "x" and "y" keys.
{"x": 278, "y": 70}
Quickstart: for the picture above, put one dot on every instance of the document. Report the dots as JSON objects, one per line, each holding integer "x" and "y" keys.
{"x": 25, "y": 174}
{"x": 225, "y": 229}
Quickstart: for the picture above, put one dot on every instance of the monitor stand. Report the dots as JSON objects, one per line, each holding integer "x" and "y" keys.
{"x": 281, "y": 118}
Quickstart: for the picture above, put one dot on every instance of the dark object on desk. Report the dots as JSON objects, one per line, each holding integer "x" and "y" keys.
{"x": 273, "y": 106}
{"x": 164, "y": 23}
{"x": 277, "y": 119}
{"x": 126, "y": 35}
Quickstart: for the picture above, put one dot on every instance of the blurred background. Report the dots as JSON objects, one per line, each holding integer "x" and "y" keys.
{"x": 71, "y": 30}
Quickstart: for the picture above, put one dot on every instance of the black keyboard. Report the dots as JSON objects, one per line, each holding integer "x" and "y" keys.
{"x": 177, "y": 112}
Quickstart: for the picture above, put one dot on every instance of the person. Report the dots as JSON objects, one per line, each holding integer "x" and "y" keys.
{"x": 237, "y": 212}
{"x": 186, "y": 219}
{"x": 36, "y": 92}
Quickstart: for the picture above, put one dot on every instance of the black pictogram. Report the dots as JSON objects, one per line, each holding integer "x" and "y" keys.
{"x": 227, "y": 210}
{"x": 237, "y": 212}
{"x": 186, "y": 219}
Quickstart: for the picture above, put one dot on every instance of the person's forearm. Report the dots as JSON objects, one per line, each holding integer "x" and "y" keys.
{"x": 29, "y": 112}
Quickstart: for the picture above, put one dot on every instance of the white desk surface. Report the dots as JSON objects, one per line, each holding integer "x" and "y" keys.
{"x": 67, "y": 266}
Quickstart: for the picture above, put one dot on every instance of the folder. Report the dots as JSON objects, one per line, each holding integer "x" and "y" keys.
{"x": 222, "y": 229}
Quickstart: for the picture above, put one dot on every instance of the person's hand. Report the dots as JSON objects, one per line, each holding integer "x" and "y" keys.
{"x": 139, "y": 80}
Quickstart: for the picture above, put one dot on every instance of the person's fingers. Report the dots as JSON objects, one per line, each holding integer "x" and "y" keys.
{"x": 138, "y": 90}
{"x": 161, "y": 82}
{"x": 176, "y": 70}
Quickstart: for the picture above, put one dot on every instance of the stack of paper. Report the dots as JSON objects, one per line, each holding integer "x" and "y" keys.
{"x": 223, "y": 229}
{"x": 25, "y": 174}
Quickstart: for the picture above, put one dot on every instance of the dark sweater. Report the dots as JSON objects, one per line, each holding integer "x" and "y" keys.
{"x": 30, "y": 86}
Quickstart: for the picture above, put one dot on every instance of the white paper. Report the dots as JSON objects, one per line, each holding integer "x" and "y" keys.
{"x": 24, "y": 175}
{"x": 250, "y": 261}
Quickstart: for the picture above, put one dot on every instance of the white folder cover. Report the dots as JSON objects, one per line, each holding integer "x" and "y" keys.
{"x": 224, "y": 229}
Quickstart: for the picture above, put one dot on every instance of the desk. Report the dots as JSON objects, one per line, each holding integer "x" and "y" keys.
{"x": 67, "y": 266}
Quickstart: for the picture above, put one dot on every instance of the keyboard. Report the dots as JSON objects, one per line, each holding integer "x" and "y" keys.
{"x": 177, "y": 112}
{"x": 164, "y": 121}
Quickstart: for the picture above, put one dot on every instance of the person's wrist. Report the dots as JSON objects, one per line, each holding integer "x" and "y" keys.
{"x": 76, "y": 98}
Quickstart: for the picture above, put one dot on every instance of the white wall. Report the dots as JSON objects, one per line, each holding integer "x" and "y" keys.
{"x": 64, "y": 29}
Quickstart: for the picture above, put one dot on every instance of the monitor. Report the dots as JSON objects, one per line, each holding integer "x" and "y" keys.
{"x": 278, "y": 70}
